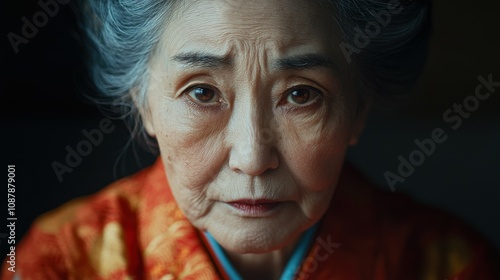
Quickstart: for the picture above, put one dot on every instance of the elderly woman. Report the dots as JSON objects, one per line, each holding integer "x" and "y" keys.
{"x": 253, "y": 105}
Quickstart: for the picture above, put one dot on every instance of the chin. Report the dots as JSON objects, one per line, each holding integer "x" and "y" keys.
{"x": 247, "y": 247}
{"x": 252, "y": 241}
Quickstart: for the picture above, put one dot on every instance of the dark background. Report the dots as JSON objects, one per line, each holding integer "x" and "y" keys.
{"x": 42, "y": 112}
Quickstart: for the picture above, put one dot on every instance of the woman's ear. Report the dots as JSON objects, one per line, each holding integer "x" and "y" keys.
{"x": 148, "y": 125}
{"x": 144, "y": 112}
{"x": 359, "y": 122}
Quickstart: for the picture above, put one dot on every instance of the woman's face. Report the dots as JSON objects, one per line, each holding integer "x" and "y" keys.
{"x": 251, "y": 118}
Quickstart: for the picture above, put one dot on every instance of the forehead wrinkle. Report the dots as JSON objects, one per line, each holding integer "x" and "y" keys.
{"x": 250, "y": 18}
{"x": 254, "y": 56}
{"x": 244, "y": 24}
{"x": 220, "y": 35}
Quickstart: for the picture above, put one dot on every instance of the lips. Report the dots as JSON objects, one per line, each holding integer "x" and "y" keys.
{"x": 254, "y": 207}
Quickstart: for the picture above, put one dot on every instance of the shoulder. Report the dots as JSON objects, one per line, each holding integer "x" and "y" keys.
{"x": 119, "y": 198}
{"x": 91, "y": 236}
{"x": 414, "y": 235}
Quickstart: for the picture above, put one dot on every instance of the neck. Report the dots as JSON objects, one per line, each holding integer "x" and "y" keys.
{"x": 262, "y": 266}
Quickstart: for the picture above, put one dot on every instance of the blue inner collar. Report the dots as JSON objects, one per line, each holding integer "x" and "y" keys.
{"x": 291, "y": 267}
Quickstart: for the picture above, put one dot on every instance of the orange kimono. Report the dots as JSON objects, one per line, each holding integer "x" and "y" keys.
{"x": 133, "y": 229}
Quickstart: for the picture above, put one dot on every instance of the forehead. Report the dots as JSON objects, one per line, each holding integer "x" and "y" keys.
{"x": 275, "y": 25}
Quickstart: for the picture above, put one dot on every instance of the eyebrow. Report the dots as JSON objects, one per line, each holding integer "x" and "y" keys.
{"x": 298, "y": 62}
{"x": 305, "y": 61}
{"x": 201, "y": 60}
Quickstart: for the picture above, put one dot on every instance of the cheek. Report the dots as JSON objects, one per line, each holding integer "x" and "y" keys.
{"x": 192, "y": 164}
{"x": 315, "y": 162}
{"x": 192, "y": 147}
{"x": 315, "y": 151}
{"x": 316, "y": 168}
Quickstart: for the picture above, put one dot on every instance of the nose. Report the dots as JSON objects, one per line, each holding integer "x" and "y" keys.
{"x": 253, "y": 150}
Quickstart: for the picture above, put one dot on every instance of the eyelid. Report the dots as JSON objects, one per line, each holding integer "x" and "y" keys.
{"x": 199, "y": 85}
{"x": 203, "y": 106}
{"x": 189, "y": 89}
{"x": 319, "y": 92}
{"x": 186, "y": 82}
{"x": 286, "y": 107}
{"x": 321, "y": 82}
{"x": 216, "y": 96}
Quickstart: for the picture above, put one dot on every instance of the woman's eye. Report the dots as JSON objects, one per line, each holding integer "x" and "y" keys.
{"x": 205, "y": 95}
{"x": 302, "y": 96}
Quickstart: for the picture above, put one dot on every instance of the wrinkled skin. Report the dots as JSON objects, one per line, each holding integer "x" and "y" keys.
{"x": 233, "y": 123}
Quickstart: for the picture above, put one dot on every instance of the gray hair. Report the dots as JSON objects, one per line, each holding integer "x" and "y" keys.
{"x": 392, "y": 59}
{"x": 121, "y": 35}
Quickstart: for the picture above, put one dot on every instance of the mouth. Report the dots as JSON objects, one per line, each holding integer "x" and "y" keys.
{"x": 255, "y": 207}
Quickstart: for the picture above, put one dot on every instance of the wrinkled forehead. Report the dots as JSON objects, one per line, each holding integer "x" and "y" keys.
{"x": 276, "y": 26}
